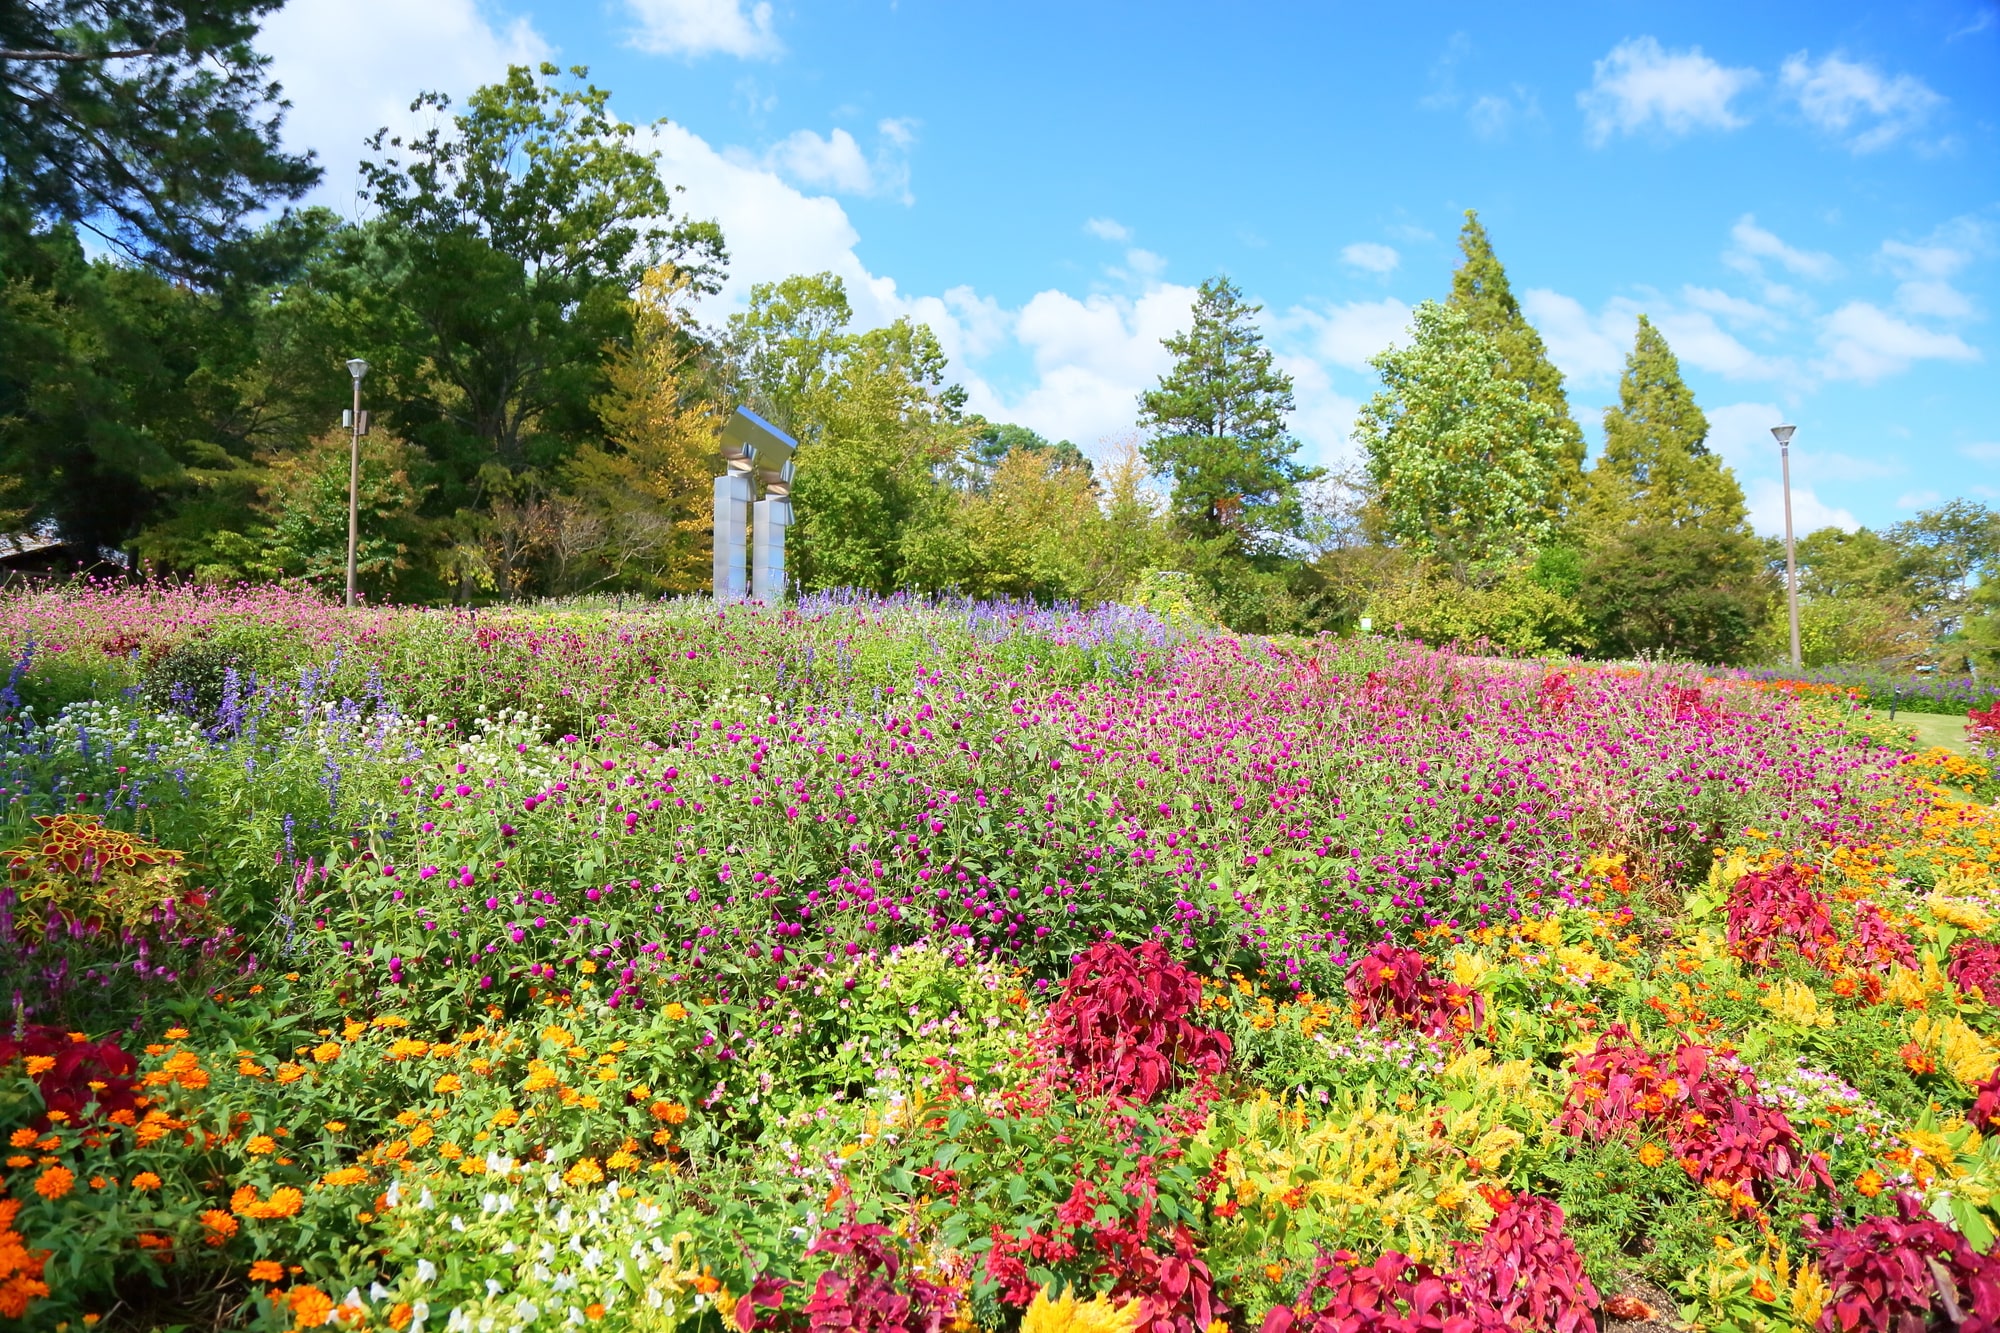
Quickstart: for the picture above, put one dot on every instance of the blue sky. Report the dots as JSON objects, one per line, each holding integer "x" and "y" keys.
{"x": 1806, "y": 197}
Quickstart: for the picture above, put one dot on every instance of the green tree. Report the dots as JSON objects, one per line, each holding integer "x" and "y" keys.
{"x": 147, "y": 122}
{"x": 1460, "y": 456}
{"x": 1480, "y": 290}
{"x": 875, "y": 420}
{"x": 499, "y": 266}
{"x": 1217, "y": 428}
{"x": 304, "y": 500}
{"x": 994, "y": 442}
{"x": 1657, "y": 469}
{"x": 1944, "y": 554}
{"x": 1834, "y": 563}
{"x": 1687, "y": 592}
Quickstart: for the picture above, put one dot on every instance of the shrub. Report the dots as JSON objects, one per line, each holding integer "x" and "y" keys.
{"x": 1900, "y": 1273}
{"x": 1975, "y": 968}
{"x": 1768, "y": 908}
{"x": 1122, "y": 1023}
{"x": 1391, "y": 984}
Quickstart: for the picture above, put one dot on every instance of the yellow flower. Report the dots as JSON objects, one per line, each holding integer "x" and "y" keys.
{"x": 325, "y": 1053}
{"x": 345, "y": 1175}
{"x": 448, "y": 1083}
{"x": 1794, "y": 1002}
{"x": 259, "y": 1145}
{"x": 586, "y": 1171}
{"x": 1956, "y": 912}
{"x": 1067, "y": 1314}
{"x": 675, "y": 1012}
{"x": 40, "y": 1064}
{"x": 1651, "y": 1154}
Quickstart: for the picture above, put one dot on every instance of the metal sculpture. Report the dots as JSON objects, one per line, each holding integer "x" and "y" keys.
{"x": 753, "y": 450}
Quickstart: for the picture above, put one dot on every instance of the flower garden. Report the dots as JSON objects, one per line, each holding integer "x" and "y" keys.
{"x": 917, "y": 966}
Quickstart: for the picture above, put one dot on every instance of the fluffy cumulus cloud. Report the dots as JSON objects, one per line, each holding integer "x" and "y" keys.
{"x": 1863, "y": 342}
{"x": 1108, "y": 229}
{"x": 1643, "y": 87}
{"x": 351, "y": 67}
{"x": 1371, "y": 257}
{"x": 836, "y": 161}
{"x": 1766, "y": 499}
{"x": 1350, "y": 334}
{"x": 703, "y": 27}
{"x": 1750, "y": 245}
{"x": 1855, "y": 102}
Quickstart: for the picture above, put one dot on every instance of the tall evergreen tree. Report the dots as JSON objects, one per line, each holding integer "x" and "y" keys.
{"x": 1479, "y": 290}
{"x": 1217, "y": 426}
{"x": 1657, "y": 469}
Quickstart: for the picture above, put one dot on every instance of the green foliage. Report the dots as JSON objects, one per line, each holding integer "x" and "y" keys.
{"x": 1216, "y": 426}
{"x": 1657, "y": 469}
{"x": 1480, "y": 291}
{"x": 1692, "y": 593}
{"x": 1519, "y": 610}
{"x": 151, "y": 123}
{"x": 1463, "y": 459}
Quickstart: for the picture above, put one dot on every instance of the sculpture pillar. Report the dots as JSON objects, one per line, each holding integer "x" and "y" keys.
{"x": 752, "y": 448}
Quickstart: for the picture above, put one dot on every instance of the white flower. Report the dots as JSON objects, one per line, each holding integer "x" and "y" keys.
{"x": 426, "y": 1271}
{"x": 529, "y": 1312}
{"x": 493, "y": 1287}
{"x": 353, "y": 1298}
{"x": 425, "y": 1200}
{"x": 377, "y": 1292}
{"x": 395, "y": 1193}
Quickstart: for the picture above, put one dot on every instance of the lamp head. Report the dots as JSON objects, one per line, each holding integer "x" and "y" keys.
{"x": 1784, "y": 433}
{"x": 357, "y": 368}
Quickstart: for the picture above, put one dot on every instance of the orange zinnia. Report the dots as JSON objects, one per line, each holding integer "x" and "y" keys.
{"x": 55, "y": 1182}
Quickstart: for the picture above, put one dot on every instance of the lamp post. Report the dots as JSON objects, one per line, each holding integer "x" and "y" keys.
{"x": 357, "y": 368}
{"x": 1784, "y": 436}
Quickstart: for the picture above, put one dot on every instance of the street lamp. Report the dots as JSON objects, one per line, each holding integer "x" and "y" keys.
{"x": 357, "y": 368}
{"x": 1784, "y": 436}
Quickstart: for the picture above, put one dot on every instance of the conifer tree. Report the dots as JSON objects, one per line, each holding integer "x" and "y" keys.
{"x": 1657, "y": 469}
{"x": 1217, "y": 426}
{"x": 1480, "y": 291}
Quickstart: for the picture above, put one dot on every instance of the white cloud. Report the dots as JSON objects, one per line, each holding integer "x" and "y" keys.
{"x": 1700, "y": 342}
{"x": 1926, "y": 268}
{"x": 1371, "y": 257}
{"x": 1940, "y": 300}
{"x": 1108, "y": 229}
{"x": 1323, "y": 417}
{"x": 1809, "y": 513}
{"x": 699, "y": 27}
{"x": 836, "y": 161}
{"x": 1093, "y": 357}
{"x": 1856, "y": 102}
{"x": 1752, "y": 243}
{"x": 1641, "y": 85}
{"x": 1586, "y": 348}
{"x": 1812, "y": 465}
{"x": 1350, "y": 335}
{"x": 1741, "y": 434}
{"x": 1734, "y": 309}
{"x": 1917, "y": 499}
{"x": 1984, "y": 452}
{"x": 351, "y": 67}
{"x": 1864, "y": 342}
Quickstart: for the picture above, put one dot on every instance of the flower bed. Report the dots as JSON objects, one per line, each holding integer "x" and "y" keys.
{"x": 915, "y": 965}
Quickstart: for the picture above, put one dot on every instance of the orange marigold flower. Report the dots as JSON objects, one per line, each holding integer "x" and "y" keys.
{"x": 594, "y": 1311}
{"x": 1869, "y": 1183}
{"x": 345, "y": 1175}
{"x": 17, "y": 1161}
{"x": 267, "y": 1270}
{"x": 221, "y": 1225}
{"x": 40, "y": 1064}
{"x": 1651, "y": 1154}
{"x": 325, "y": 1053}
{"x": 177, "y": 1034}
{"x": 284, "y": 1202}
{"x": 400, "y": 1315}
{"x": 290, "y": 1073}
{"x": 249, "y": 1068}
{"x": 55, "y": 1182}
{"x": 310, "y": 1306}
{"x": 260, "y": 1145}
{"x": 21, "y": 1138}
{"x": 448, "y": 1083}
{"x": 586, "y": 1171}
{"x": 145, "y": 1180}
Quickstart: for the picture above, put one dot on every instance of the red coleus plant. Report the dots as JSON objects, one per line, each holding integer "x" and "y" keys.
{"x": 1975, "y": 966}
{"x": 1555, "y": 693}
{"x": 1524, "y": 1273}
{"x": 1878, "y": 944}
{"x": 1707, "y": 1111}
{"x": 1391, "y": 984}
{"x": 1905, "y": 1274}
{"x": 64, "y": 1066}
{"x": 1162, "y": 1270}
{"x": 1985, "y": 1112}
{"x": 1982, "y": 727}
{"x": 1769, "y": 908}
{"x": 858, "y": 1294}
{"x": 1122, "y": 1023}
